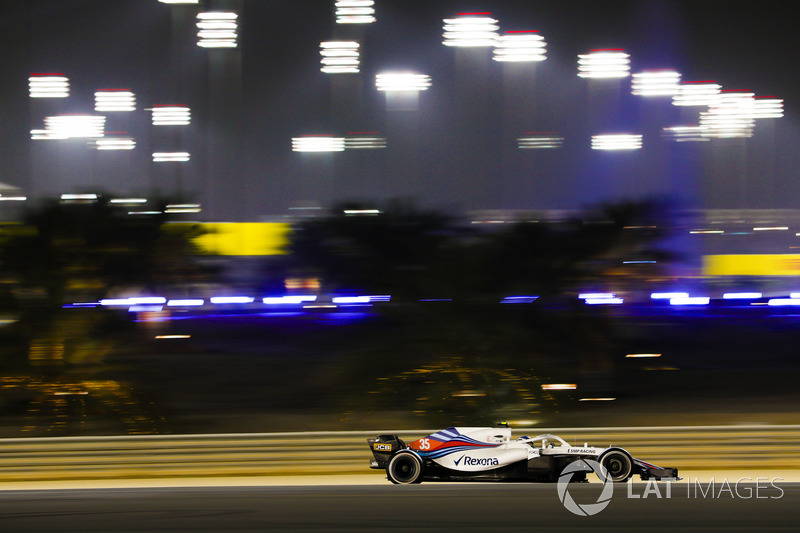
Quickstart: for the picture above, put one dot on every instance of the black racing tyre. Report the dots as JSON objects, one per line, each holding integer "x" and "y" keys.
{"x": 404, "y": 468}
{"x": 618, "y": 464}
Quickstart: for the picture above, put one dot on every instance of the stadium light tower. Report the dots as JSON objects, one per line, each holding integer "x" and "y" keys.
{"x": 339, "y": 57}
{"x": 171, "y": 115}
{"x": 355, "y": 11}
{"x": 72, "y": 126}
{"x": 48, "y": 86}
{"x": 318, "y": 144}
{"x": 767, "y": 107}
{"x": 520, "y": 47}
{"x": 114, "y": 100}
{"x": 697, "y": 93}
{"x": 217, "y": 29}
{"x": 402, "y": 89}
{"x": 656, "y": 83}
{"x": 470, "y": 30}
{"x": 616, "y": 141}
{"x": 611, "y": 63}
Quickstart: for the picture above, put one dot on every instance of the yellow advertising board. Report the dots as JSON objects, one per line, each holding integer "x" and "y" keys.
{"x": 243, "y": 238}
{"x": 752, "y": 265}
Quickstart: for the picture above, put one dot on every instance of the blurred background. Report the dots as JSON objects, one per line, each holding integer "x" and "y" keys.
{"x": 229, "y": 216}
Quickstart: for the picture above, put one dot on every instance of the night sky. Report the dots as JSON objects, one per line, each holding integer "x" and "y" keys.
{"x": 456, "y": 151}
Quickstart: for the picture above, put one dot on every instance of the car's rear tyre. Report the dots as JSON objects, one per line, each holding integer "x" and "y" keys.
{"x": 404, "y": 468}
{"x": 618, "y": 464}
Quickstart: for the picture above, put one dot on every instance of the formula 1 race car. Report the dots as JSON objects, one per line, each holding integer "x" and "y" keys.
{"x": 489, "y": 454}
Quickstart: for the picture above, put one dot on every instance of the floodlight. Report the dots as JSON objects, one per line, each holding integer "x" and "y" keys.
{"x": 114, "y": 100}
{"x": 768, "y": 107}
{"x": 364, "y": 141}
{"x": 319, "y": 143}
{"x": 339, "y": 57}
{"x": 402, "y": 81}
{"x": 115, "y": 143}
{"x": 731, "y": 116}
{"x": 470, "y": 30}
{"x": 355, "y": 11}
{"x": 217, "y": 29}
{"x": 182, "y": 208}
{"x": 616, "y": 141}
{"x": 74, "y": 126}
{"x": 686, "y": 133}
{"x": 537, "y": 141}
{"x": 656, "y": 83}
{"x": 697, "y": 93}
{"x": 613, "y": 63}
{"x": 171, "y": 115}
{"x": 520, "y": 46}
{"x": 170, "y": 157}
{"x": 48, "y": 86}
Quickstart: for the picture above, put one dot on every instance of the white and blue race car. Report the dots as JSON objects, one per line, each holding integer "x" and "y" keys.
{"x": 489, "y": 454}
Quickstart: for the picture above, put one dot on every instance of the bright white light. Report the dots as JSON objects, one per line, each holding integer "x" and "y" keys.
{"x": 48, "y": 86}
{"x": 288, "y": 300}
{"x": 68, "y": 197}
{"x": 182, "y": 208}
{"x": 355, "y": 11}
{"x": 596, "y": 295}
{"x": 731, "y": 115}
{"x": 538, "y": 141}
{"x": 179, "y": 1}
{"x": 686, "y": 133}
{"x": 117, "y": 143}
{"x": 351, "y": 300}
{"x": 323, "y": 143}
{"x": 402, "y": 81}
{"x": 114, "y": 100}
{"x": 71, "y": 127}
{"x": 189, "y": 302}
{"x": 604, "y": 64}
{"x": 217, "y": 29}
{"x": 128, "y": 201}
{"x": 559, "y": 386}
{"x": 780, "y": 302}
{"x": 520, "y": 47}
{"x": 668, "y": 295}
{"x": 339, "y": 57}
{"x": 364, "y": 142}
{"x": 603, "y": 301}
{"x": 616, "y": 141}
{"x": 642, "y": 355}
{"x": 742, "y": 296}
{"x": 362, "y": 212}
{"x": 470, "y": 30}
{"x": 171, "y": 157}
{"x": 232, "y": 300}
{"x": 656, "y": 83}
{"x": 767, "y": 107}
{"x": 171, "y": 115}
{"x": 694, "y": 93}
{"x": 771, "y": 228}
{"x": 693, "y": 300}
{"x": 145, "y": 300}
{"x": 12, "y": 198}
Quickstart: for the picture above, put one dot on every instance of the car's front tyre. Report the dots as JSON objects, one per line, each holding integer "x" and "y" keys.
{"x": 618, "y": 464}
{"x": 404, "y": 468}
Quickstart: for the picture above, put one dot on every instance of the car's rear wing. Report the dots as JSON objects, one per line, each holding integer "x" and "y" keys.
{"x": 383, "y": 447}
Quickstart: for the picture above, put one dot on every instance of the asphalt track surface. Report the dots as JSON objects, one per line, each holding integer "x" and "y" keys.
{"x": 756, "y": 506}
